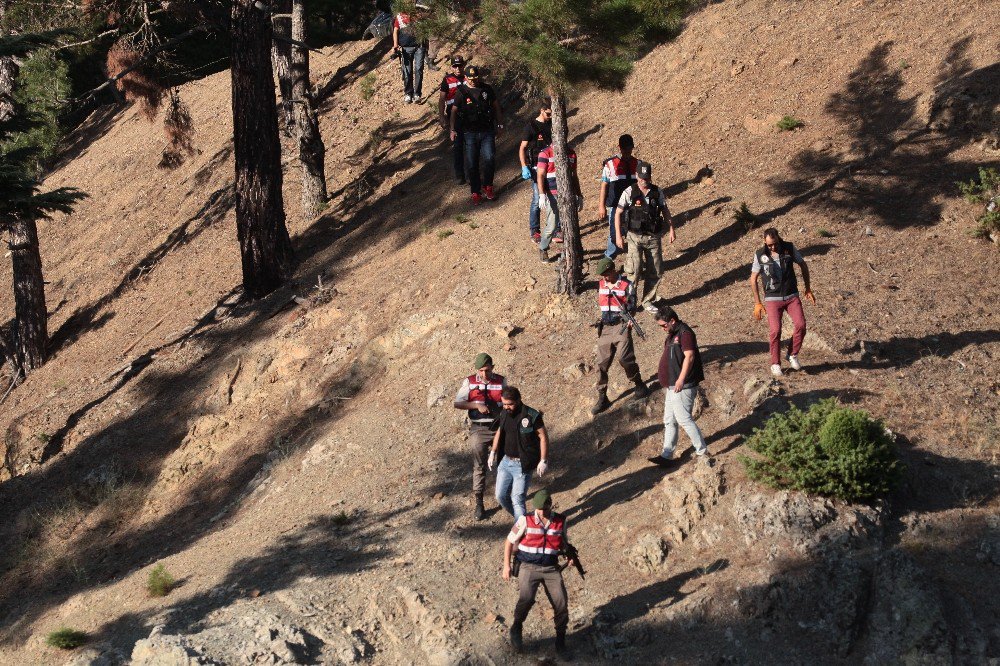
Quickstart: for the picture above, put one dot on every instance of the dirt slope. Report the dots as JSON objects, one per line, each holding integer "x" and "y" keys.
{"x": 300, "y": 469}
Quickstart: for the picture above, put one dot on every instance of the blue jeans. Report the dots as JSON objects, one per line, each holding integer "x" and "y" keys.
{"x": 613, "y": 249}
{"x": 512, "y": 486}
{"x": 412, "y": 59}
{"x": 534, "y": 217}
{"x": 479, "y": 144}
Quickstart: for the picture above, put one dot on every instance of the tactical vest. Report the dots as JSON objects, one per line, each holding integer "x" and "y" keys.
{"x": 778, "y": 274}
{"x": 675, "y": 359}
{"x": 453, "y": 82}
{"x": 645, "y": 217}
{"x": 541, "y": 545}
{"x": 476, "y": 110}
{"x": 618, "y": 290}
{"x": 624, "y": 176}
{"x": 487, "y": 392}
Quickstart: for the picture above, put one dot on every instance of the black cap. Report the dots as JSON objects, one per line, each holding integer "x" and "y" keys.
{"x": 644, "y": 170}
{"x": 458, "y": 61}
{"x": 473, "y": 72}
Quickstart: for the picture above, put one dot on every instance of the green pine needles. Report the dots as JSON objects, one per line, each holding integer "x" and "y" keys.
{"x": 985, "y": 191}
{"x": 160, "y": 582}
{"x": 826, "y": 450}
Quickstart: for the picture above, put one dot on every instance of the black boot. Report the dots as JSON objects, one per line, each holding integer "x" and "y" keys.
{"x": 641, "y": 390}
{"x": 561, "y": 648}
{"x": 516, "y": 641}
{"x": 602, "y": 402}
{"x": 480, "y": 512}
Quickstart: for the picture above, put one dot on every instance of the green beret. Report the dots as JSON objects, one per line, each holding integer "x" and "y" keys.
{"x": 482, "y": 358}
{"x": 604, "y": 265}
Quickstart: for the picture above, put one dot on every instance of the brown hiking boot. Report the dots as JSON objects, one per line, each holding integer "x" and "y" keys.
{"x": 601, "y": 404}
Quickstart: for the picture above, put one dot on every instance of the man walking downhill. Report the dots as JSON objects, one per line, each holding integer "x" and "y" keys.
{"x": 537, "y": 136}
{"x": 548, "y": 187}
{"x": 411, "y": 53}
{"x": 525, "y": 447}
{"x": 480, "y": 396}
{"x": 617, "y": 174}
{"x": 615, "y": 294}
{"x": 449, "y": 87}
{"x": 477, "y": 111}
{"x": 538, "y": 537}
{"x": 775, "y": 262}
{"x": 642, "y": 211}
{"x": 679, "y": 373}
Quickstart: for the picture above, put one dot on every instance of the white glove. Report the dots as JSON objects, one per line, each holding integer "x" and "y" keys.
{"x": 543, "y": 467}
{"x": 491, "y": 461}
{"x": 543, "y": 202}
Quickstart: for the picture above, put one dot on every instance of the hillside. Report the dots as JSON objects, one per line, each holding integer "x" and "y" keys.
{"x": 299, "y": 466}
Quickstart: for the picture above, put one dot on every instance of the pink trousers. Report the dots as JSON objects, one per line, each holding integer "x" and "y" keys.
{"x": 775, "y": 309}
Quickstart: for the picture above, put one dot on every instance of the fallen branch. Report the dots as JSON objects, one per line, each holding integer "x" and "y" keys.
{"x": 138, "y": 339}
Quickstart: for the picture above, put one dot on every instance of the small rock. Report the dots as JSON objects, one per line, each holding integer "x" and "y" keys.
{"x": 577, "y": 370}
{"x": 436, "y": 395}
{"x": 868, "y": 231}
{"x": 649, "y": 554}
{"x": 438, "y": 495}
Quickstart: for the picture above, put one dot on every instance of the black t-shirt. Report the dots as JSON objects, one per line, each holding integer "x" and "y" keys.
{"x": 511, "y": 425}
{"x": 475, "y": 107}
{"x": 538, "y": 134}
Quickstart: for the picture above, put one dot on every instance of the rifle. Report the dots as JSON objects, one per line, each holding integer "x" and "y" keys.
{"x": 570, "y": 552}
{"x": 629, "y": 319}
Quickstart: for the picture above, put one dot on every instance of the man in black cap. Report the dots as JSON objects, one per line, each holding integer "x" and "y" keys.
{"x": 480, "y": 395}
{"x": 539, "y": 537}
{"x": 639, "y": 222}
{"x": 449, "y": 87}
{"x": 615, "y": 294}
{"x": 477, "y": 111}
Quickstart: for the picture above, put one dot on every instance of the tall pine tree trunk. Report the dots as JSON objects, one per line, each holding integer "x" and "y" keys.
{"x": 31, "y": 334}
{"x": 8, "y": 76}
{"x": 281, "y": 59}
{"x": 569, "y": 217}
{"x": 265, "y": 247}
{"x": 312, "y": 151}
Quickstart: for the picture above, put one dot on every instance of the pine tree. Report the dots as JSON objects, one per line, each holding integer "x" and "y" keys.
{"x": 564, "y": 47}
{"x": 265, "y": 247}
{"x": 311, "y": 149}
{"x": 21, "y": 206}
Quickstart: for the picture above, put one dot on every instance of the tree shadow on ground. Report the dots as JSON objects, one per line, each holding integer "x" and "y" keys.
{"x": 903, "y": 351}
{"x": 899, "y": 164}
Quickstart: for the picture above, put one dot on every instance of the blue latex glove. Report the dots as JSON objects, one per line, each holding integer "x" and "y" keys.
{"x": 525, "y": 173}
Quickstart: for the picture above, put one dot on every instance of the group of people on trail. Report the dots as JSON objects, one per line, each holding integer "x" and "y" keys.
{"x": 510, "y": 437}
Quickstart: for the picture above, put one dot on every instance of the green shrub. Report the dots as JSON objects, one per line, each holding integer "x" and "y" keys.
{"x": 826, "y": 450}
{"x": 43, "y": 86}
{"x": 789, "y": 123}
{"x": 747, "y": 218}
{"x": 367, "y": 84}
{"x": 65, "y": 638}
{"x": 825, "y": 233}
{"x": 985, "y": 191}
{"x": 160, "y": 582}
{"x": 444, "y": 234}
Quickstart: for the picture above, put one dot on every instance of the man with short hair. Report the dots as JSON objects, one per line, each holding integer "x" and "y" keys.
{"x": 446, "y": 98}
{"x": 548, "y": 203}
{"x": 641, "y": 213}
{"x": 411, "y": 53}
{"x": 479, "y": 395}
{"x": 538, "y": 538}
{"x": 537, "y": 136}
{"x": 525, "y": 447}
{"x": 477, "y": 111}
{"x": 617, "y": 173}
{"x": 615, "y": 295}
{"x": 679, "y": 373}
{"x": 775, "y": 261}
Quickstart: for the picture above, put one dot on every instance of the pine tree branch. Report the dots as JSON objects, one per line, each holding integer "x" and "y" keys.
{"x": 62, "y": 47}
{"x": 142, "y": 61}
